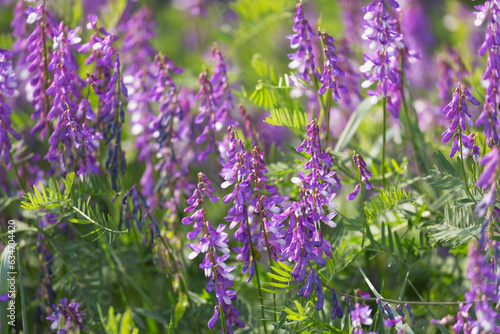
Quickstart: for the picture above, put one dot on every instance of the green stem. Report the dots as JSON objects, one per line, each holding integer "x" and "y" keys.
{"x": 256, "y": 276}
{"x": 17, "y": 173}
{"x": 384, "y": 107}
{"x": 464, "y": 174}
{"x": 362, "y": 211}
{"x": 327, "y": 114}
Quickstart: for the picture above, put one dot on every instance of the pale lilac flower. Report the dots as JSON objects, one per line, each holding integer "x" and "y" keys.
{"x": 360, "y": 315}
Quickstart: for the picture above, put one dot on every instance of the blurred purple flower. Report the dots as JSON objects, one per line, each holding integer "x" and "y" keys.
{"x": 303, "y": 60}
{"x": 360, "y": 315}
{"x": 66, "y": 317}
{"x": 488, "y": 181}
{"x": 8, "y": 86}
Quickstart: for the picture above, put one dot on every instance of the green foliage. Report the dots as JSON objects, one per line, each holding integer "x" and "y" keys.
{"x": 386, "y": 200}
{"x": 70, "y": 203}
{"x": 273, "y": 93}
{"x": 120, "y": 323}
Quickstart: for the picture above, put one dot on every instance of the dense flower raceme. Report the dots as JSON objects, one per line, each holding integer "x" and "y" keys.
{"x": 252, "y": 210}
{"x": 167, "y": 135}
{"x": 216, "y": 103}
{"x": 8, "y": 86}
{"x": 458, "y": 112}
{"x": 331, "y": 72}
{"x": 37, "y": 60}
{"x": 303, "y": 60}
{"x": 364, "y": 175}
{"x": 71, "y": 134}
{"x": 66, "y": 317}
{"x": 383, "y": 67}
{"x": 489, "y": 118}
{"x": 107, "y": 83}
{"x": 212, "y": 242}
{"x": 304, "y": 238}
{"x": 488, "y": 181}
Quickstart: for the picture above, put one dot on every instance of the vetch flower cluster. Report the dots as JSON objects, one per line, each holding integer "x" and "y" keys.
{"x": 215, "y": 96}
{"x": 488, "y": 118}
{"x": 303, "y": 59}
{"x": 212, "y": 242}
{"x": 8, "y": 85}
{"x": 364, "y": 176}
{"x": 382, "y": 31}
{"x": 457, "y": 112}
{"x": 66, "y": 317}
{"x": 488, "y": 181}
{"x": 331, "y": 72}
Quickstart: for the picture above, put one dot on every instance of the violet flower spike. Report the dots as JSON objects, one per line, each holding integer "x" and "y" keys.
{"x": 331, "y": 72}
{"x": 364, "y": 173}
{"x": 382, "y": 67}
{"x": 489, "y": 117}
{"x": 8, "y": 85}
{"x": 212, "y": 243}
{"x": 216, "y": 102}
{"x": 303, "y": 60}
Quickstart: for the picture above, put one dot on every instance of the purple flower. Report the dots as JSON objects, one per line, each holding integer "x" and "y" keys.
{"x": 303, "y": 60}
{"x": 360, "y": 315}
{"x": 364, "y": 173}
{"x": 331, "y": 72}
{"x": 337, "y": 311}
{"x": 489, "y": 116}
{"x": 37, "y": 60}
{"x": 66, "y": 317}
{"x": 214, "y": 244}
{"x": 304, "y": 238}
{"x": 4, "y": 297}
{"x": 8, "y": 86}
{"x": 488, "y": 181}
{"x": 457, "y": 112}
{"x": 215, "y": 96}
{"x": 384, "y": 66}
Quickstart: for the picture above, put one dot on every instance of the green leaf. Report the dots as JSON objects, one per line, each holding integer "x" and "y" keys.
{"x": 353, "y": 124}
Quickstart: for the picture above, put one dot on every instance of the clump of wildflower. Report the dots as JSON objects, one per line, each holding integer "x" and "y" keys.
{"x": 252, "y": 210}
{"x": 457, "y": 112}
{"x": 66, "y": 317}
{"x": 304, "y": 239}
{"x": 364, "y": 175}
{"x": 488, "y": 181}
{"x": 214, "y": 244}
{"x": 331, "y": 71}
{"x": 8, "y": 86}
{"x": 216, "y": 102}
{"x": 38, "y": 59}
{"x": 381, "y": 29}
{"x": 488, "y": 118}
{"x": 303, "y": 60}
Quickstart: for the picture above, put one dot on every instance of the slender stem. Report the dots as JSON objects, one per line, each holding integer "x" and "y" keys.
{"x": 264, "y": 229}
{"x": 17, "y": 172}
{"x": 463, "y": 165}
{"x": 384, "y": 107}
{"x": 327, "y": 112}
{"x": 256, "y": 274}
{"x": 362, "y": 210}
{"x": 405, "y": 107}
